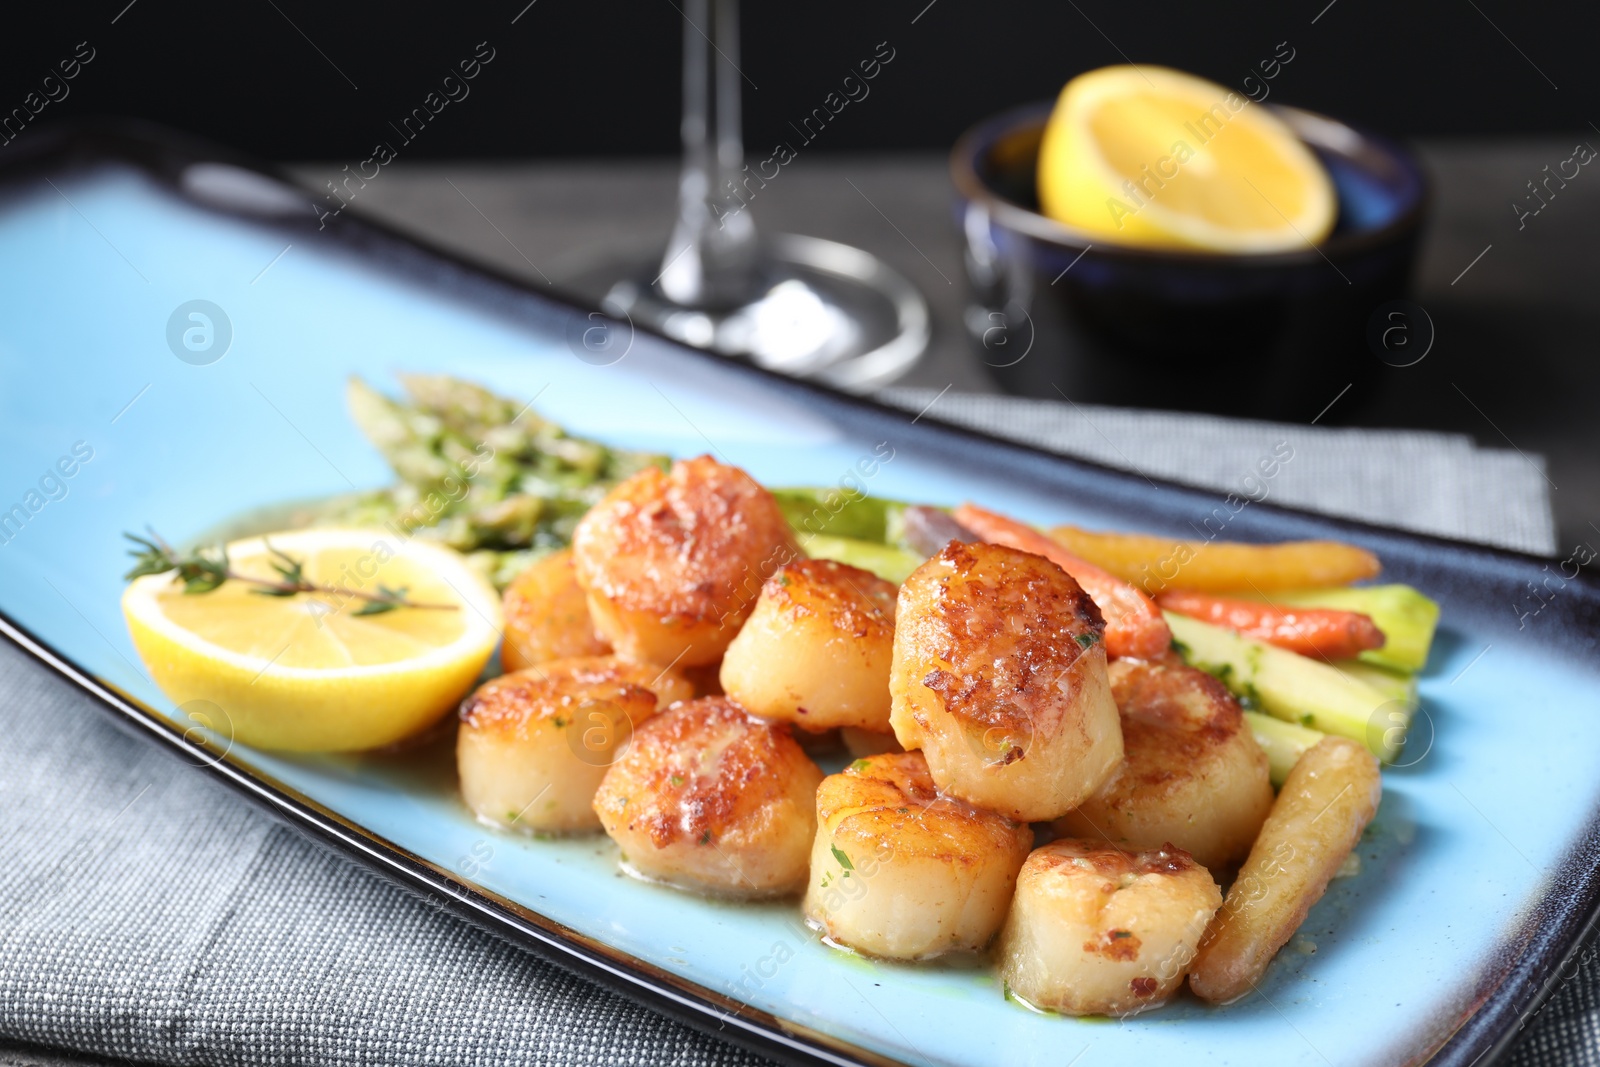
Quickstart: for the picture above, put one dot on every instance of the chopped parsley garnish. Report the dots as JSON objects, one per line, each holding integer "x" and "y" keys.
{"x": 860, "y": 765}
{"x": 844, "y": 861}
{"x": 1087, "y": 640}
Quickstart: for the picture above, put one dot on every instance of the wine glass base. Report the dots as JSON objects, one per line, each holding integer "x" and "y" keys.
{"x": 825, "y": 311}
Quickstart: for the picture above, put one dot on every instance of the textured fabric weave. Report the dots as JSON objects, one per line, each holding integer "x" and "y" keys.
{"x": 150, "y": 915}
{"x": 1428, "y": 482}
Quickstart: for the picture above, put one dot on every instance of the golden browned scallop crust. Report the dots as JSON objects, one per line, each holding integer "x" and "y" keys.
{"x": 817, "y": 647}
{"x": 513, "y": 701}
{"x": 673, "y": 562}
{"x": 1191, "y": 774}
{"x": 852, "y": 601}
{"x": 999, "y": 676}
{"x": 534, "y": 745}
{"x": 902, "y": 872}
{"x": 547, "y": 615}
{"x": 711, "y": 798}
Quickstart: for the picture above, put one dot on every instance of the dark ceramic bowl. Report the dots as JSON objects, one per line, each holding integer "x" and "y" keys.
{"x": 1274, "y": 336}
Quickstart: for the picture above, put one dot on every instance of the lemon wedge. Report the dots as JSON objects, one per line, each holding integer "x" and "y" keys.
{"x": 1155, "y": 157}
{"x": 307, "y": 673}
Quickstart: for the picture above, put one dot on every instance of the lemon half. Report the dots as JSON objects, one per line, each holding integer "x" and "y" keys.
{"x": 306, "y": 673}
{"x": 1152, "y": 156}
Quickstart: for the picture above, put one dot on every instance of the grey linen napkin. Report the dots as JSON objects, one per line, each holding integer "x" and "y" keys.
{"x": 1428, "y": 482}
{"x": 148, "y": 914}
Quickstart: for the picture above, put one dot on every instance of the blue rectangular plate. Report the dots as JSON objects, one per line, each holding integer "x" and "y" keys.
{"x": 1478, "y": 876}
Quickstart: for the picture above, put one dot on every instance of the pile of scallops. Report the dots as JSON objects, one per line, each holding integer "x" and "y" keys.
{"x": 670, "y": 675}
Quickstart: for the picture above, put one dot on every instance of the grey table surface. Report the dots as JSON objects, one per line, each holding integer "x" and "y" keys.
{"x": 1513, "y": 365}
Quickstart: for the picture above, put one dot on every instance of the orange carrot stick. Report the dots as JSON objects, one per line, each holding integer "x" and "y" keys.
{"x": 1134, "y": 626}
{"x": 1320, "y": 632}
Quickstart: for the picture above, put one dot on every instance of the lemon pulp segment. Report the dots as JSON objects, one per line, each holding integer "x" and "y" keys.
{"x": 1150, "y": 156}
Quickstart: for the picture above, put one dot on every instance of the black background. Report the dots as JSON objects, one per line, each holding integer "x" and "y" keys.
{"x": 293, "y": 79}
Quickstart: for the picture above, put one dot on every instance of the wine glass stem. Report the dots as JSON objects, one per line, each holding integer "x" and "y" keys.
{"x": 710, "y": 260}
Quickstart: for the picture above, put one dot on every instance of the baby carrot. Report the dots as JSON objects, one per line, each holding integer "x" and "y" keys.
{"x": 1134, "y": 626}
{"x": 1320, "y": 632}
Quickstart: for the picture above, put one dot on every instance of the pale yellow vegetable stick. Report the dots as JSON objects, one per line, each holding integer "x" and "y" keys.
{"x": 1283, "y": 742}
{"x": 1157, "y": 563}
{"x": 1328, "y": 799}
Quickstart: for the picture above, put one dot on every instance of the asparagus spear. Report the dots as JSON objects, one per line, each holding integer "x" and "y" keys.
{"x": 891, "y": 563}
{"x": 1406, "y": 617}
{"x": 405, "y": 437}
{"x": 479, "y": 471}
{"x": 1294, "y": 688}
{"x": 463, "y": 406}
{"x": 1283, "y": 742}
{"x": 1395, "y": 686}
{"x": 482, "y": 417}
{"x": 838, "y": 512}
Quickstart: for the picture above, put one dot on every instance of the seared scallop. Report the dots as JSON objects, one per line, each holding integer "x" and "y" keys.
{"x": 673, "y": 562}
{"x": 710, "y": 798}
{"x": 899, "y": 871}
{"x": 547, "y": 615}
{"x": 1191, "y": 772}
{"x": 1097, "y": 931}
{"x": 816, "y": 648}
{"x": 999, "y": 677}
{"x": 534, "y": 744}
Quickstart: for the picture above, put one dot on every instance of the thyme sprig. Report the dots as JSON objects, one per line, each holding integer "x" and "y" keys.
{"x": 207, "y": 567}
